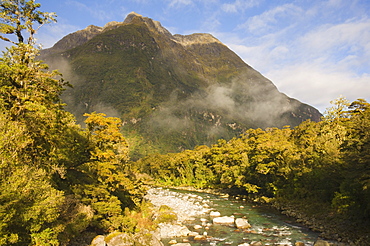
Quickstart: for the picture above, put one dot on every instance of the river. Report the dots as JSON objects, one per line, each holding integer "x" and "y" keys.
{"x": 268, "y": 227}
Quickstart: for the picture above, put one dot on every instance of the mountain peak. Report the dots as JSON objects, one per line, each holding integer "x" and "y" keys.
{"x": 130, "y": 16}
{"x": 185, "y": 40}
{"x": 152, "y": 24}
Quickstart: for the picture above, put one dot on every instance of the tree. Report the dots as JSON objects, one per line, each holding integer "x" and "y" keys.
{"x": 338, "y": 110}
{"x": 31, "y": 121}
{"x": 56, "y": 179}
{"x": 18, "y": 16}
{"x": 355, "y": 190}
{"x": 29, "y": 208}
{"x": 108, "y": 185}
{"x": 30, "y": 94}
{"x": 111, "y": 148}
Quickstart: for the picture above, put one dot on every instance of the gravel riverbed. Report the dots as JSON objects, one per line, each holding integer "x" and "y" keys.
{"x": 196, "y": 223}
{"x": 186, "y": 206}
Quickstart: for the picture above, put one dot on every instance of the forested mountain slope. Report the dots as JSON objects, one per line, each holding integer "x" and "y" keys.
{"x": 174, "y": 91}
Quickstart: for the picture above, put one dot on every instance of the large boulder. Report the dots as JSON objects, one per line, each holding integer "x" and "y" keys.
{"x": 119, "y": 239}
{"x": 168, "y": 230}
{"x": 321, "y": 243}
{"x": 98, "y": 241}
{"x": 123, "y": 239}
{"x": 241, "y": 223}
{"x": 299, "y": 244}
{"x": 148, "y": 239}
{"x": 224, "y": 220}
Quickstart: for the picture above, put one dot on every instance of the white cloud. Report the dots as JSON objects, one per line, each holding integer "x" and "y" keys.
{"x": 178, "y": 3}
{"x": 318, "y": 85}
{"x": 96, "y": 10}
{"x": 334, "y": 3}
{"x": 348, "y": 40}
{"x": 238, "y": 5}
{"x": 263, "y": 22}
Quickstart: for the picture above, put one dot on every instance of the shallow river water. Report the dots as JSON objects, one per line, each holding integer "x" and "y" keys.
{"x": 268, "y": 226}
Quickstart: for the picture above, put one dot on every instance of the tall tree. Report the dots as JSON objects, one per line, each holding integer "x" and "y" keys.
{"x": 31, "y": 123}
{"x": 355, "y": 190}
{"x": 17, "y": 16}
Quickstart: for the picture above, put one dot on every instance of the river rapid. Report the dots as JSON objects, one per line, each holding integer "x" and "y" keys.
{"x": 197, "y": 210}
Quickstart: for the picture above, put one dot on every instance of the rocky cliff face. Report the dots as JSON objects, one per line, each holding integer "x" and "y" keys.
{"x": 173, "y": 91}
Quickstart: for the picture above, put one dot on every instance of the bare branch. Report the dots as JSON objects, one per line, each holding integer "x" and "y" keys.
{"x": 6, "y": 39}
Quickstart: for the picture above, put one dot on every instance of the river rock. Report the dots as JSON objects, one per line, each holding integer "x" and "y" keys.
{"x": 225, "y": 220}
{"x": 153, "y": 241}
{"x": 193, "y": 234}
{"x": 167, "y": 230}
{"x": 197, "y": 227}
{"x": 123, "y": 239}
{"x": 255, "y": 243}
{"x": 98, "y": 241}
{"x": 321, "y": 243}
{"x": 215, "y": 214}
{"x": 119, "y": 239}
{"x": 241, "y": 223}
{"x": 299, "y": 244}
{"x": 284, "y": 242}
{"x": 200, "y": 238}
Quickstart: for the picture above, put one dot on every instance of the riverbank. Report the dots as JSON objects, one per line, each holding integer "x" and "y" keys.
{"x": 336, "y": 228}
{"x": 186, "y": 207}
{"x": 213, "y": 217}
{"x": 337, "y": 232}
{"x": 220, "y": 220}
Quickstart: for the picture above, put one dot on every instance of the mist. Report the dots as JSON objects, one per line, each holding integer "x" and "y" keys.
{"x": 241, "y": 103}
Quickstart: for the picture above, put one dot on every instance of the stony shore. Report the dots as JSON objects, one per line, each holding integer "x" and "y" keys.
{"x": 187, "y": 207}
{"x": 334, "y": 232}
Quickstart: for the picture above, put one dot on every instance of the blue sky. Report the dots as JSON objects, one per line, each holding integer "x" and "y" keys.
{"x": 312, "y": 50}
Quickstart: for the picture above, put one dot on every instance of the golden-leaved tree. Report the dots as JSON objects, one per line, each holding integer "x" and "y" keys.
{"x": 57, "y": 179}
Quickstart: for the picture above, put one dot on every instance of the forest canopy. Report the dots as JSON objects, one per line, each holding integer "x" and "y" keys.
{"x": 57, "y": 179}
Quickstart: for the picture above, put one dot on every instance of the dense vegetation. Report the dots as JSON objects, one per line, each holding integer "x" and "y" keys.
{"x": 57, "y": 179}
{"x": 319, "y": 169}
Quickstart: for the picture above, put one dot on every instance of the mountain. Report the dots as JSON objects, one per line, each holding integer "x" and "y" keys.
{"x": 173, "y": 92}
